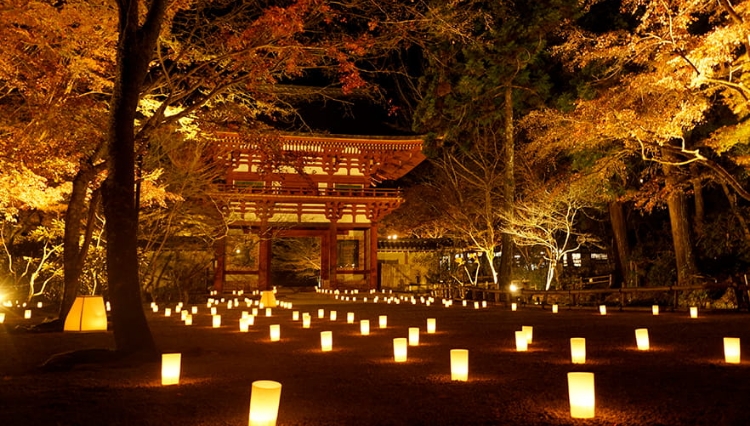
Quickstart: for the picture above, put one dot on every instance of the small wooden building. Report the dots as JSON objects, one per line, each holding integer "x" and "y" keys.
{"x": 292, "y": 185}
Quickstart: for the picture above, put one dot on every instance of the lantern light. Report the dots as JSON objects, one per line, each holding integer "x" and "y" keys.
{"x": 732, "y": 350}
{"x": 655, "y": 309}
{"x": 183, "y": 315}
{"x": 269, "y": 312}
{"x": 170, "y": 369}
{"x": 603, "y": 309}
{"x": 693, "y": 312}
{"x": 399, "y": 349}
{"x": 214, "y": 310}
{"x": 87, "y": 314}
{"x": 521, "y": 343}
{"x": 268, "y": 299}
{"x": 264, "y": 403}
{"x": 333, "y": 315}
{"x": 554, "y": 308}
{"x": 641, "y": 338}
{"x": 167, "y": 312}
{"x": 254, "y": 311}
{"x": 383, "y": 321}
{"x": 189, "y": 320}
{"x": 321, "y": 313}
{"x": 514, "y": 306}
{"x": 275, "y": 331}
{"x": 244, "y": 326}
{"x": 529, "y": 330}
{"x": 578, "y": 350}
{"x": 295, "y": 315}
{"x": 581, "y": 394}
{"x": 364, "y": 327}
{"x": 326, "y": 341}
{"x": 2, "y": 317}
{"x": 460, "y": 365}
{"x": 216, "y": 321}
{"x": 350, "y": 317}
{"x": 413, "y": 336}
{"x": 431, "y": 326}
{"x": 306, "y": 319}
{"x": 193, "y": 310}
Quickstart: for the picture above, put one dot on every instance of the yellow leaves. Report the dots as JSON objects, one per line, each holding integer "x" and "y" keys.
{"x": 25, "y": 190}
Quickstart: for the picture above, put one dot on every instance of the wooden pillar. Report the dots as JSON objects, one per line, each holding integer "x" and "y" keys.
{"x": 333, "y": 254}
{"x": 220, "y": 253}
{"x": 372, "y": 256}
{"x": 264, "y": 258}
{"x": 325, "y": 261}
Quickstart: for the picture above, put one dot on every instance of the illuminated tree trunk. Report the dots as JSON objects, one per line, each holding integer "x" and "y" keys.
{"x": 505, "y": 271}
{"x": 135, "y": 49}
{"x": 621, "y": 246}
{"x": 678, "y": 219}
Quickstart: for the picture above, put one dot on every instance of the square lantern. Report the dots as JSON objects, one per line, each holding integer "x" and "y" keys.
{"x": 364, "y": 327}
{"x": 693, "y": 312}
{"x": 522, "y": 344}
{"x": 88, "y": 313}
{"x": 603, "y": 309}
{"x": 641, "y": 339}
{"x": 460, "y": 365}
{"x": 529, "y": 330}
{"x": 655, "y": 309}
{"x": 216, "y": 321}
{"x": 264, "y": 403}
{"x": 581, "y": 394}
{"x": 732, "y": 350}
{"x": 399, "y": 349}
{"x": 554, "y": 309}
{"x": 333, "y": 315}
{"x": 170, "y": 369}
{"x": 275, "y": 332}
{"x": 431, "y": 326}
{"x": 578, "y": 350}
{"x": 326, "y": 341}
{"x": 413, "y": 336}
{"x": 321, "y": 313}
{"x": 383, "y": 321}
{"x": 514, "y": 306}
{"x": 350, "y": 317}
{"x": 295, "y": 315}
{"x": 306, "y": 319}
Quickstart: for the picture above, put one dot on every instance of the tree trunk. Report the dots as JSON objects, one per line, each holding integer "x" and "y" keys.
{"x": 698, "y": 200}
{"x": 505, "y": 271}
{"x": 678, "y": 219}
{"x": 621, "y": 246}
{"x": 135, "y": 49}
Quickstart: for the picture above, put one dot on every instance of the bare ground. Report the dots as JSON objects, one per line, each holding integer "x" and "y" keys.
{"x": 682, "y": 380}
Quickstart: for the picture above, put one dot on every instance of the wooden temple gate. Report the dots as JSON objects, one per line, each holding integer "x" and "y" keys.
{"x": 284, "y": 185}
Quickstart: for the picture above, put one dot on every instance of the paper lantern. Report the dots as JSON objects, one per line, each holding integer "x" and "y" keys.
{"x": 460, "y": 364}
{"x": 521, "y": 343}
{"x": 193, "y": 310}
{"x": 108, "y": 307}
{"x": 350, "y": 317}
{"x": 399, "y": 349}
{"x": 641, "y": 338}
{"x": 39, "y": 305}
{"x": 463, "y": 303}
{"x": 326, "y": 341}
{"x": 183, "y": 315}
{"x": 264, "y": 403}
{"x": 170, "y": 369}
{"x": 554, "y": 309}
{"x": 333, "y": 315}
{"x": 732, "y": 350}
{"x": 513, "y": 306}
{"x": 275, "y": 330}
{"x": 213, "y": 310}
{"x": 216, "y": 321}
{"x": 693, "y": 312}
{"x": 87, "y": 314}
{"x": 306, "y": 319}
{"x": 581, "y": 393}
{"x": 413, "y": 336}
{"x": 27, "y": 314}
{"x": 268, "y": 312}
{"x": 383, "y": 321}
{"x": 578, "y": 350}
{"x": 167, "y": 312}
{"x": 2, "y": 317}
{"x": 268, "y": 299}
{"x": 244, "y": 326}
{"x": 529, "y": 330}
{"x": 189, "y": 320}
{"x": 364, "y": 327}
{"x": 484, "y": 303}
{"x": 295, "y": 315}
{"x": 655, "y": 309}
{"x": 476, "y": 305}
{"x": 154, "y": 308}
{"x": 254, "y": 312}
{"x": 431, "y": 326}
{"x": 250, "y": 320}
{"x": 603, "y": 309}
{"x": 321, "y": 313}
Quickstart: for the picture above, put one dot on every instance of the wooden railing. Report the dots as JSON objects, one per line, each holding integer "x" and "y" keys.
{"x": 286, "y": 190}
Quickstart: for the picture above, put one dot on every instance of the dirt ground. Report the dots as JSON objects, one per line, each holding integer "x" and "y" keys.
{"x": 681, "y": 380}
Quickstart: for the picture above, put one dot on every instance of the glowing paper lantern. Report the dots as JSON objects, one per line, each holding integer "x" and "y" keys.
{"x": 170, "y": 369}
{"x": 264, "y": 403}
{"x": 655, "y": 309}
{"x": 476, "y": 305}
{"x": 641, "y": 338}
{"x": 2, "y": 317}
{"x": 193, "y": 310}
{"x": 183, "y": 315}
{"x": 463, "y": 302}
{"x": 244, "y": 326}
{"x": 431, "y": 326}
{"x": 578, "y": 350}
{"x": 603, "y": 309}
{"x": 306, "y": 318}
{"x": 268, "y": 312}
{"x": 213, "y": 310}
{"x": 189, "y": 320}
{"x": 333, "y": 315}
{"x": 513, "y": 306}
{"x": 554, "y": 309}
{"x": 460, "y": 364}
{"x": 693, "y": 312}
{"x": 87, "y": 314}
{"x": 399, "y": 349}
{"x": 529, "y": 330}
{"x": 364, "y": 327}
{"x": 350, "y": 317}
{"x": 268, "y": 299}
{"x": 295, "y": 315}
{"x": 254, "y": 312}
{"x": 581, "y": 393}
{"x": 521, "y": 343}
{"x": 275, "y": 330}
{"x": 413, "y": 336}
{"x": 383, "y": 321}
{"x": 250, "y": 320}
{"x": 732, "y": 350}
{"x": 216, "y": 321}
{"x": 39, "y": 305}
{"x": 167, "y": 312}
{"x": 326, "y": 341}
{"x": 27, "y": 313}
{"x": 154, "y": 308}
{"x": 484, "y": 303}
{"x": 321, "y": 313}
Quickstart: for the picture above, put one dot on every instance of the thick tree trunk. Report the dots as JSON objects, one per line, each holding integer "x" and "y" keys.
{"x": 678, "y": 219}
{"x": 136, "y": 47}
{"x": 698, "y": 200}
{"x": 621, "y": 246}
{"x": 505, "y": 272}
